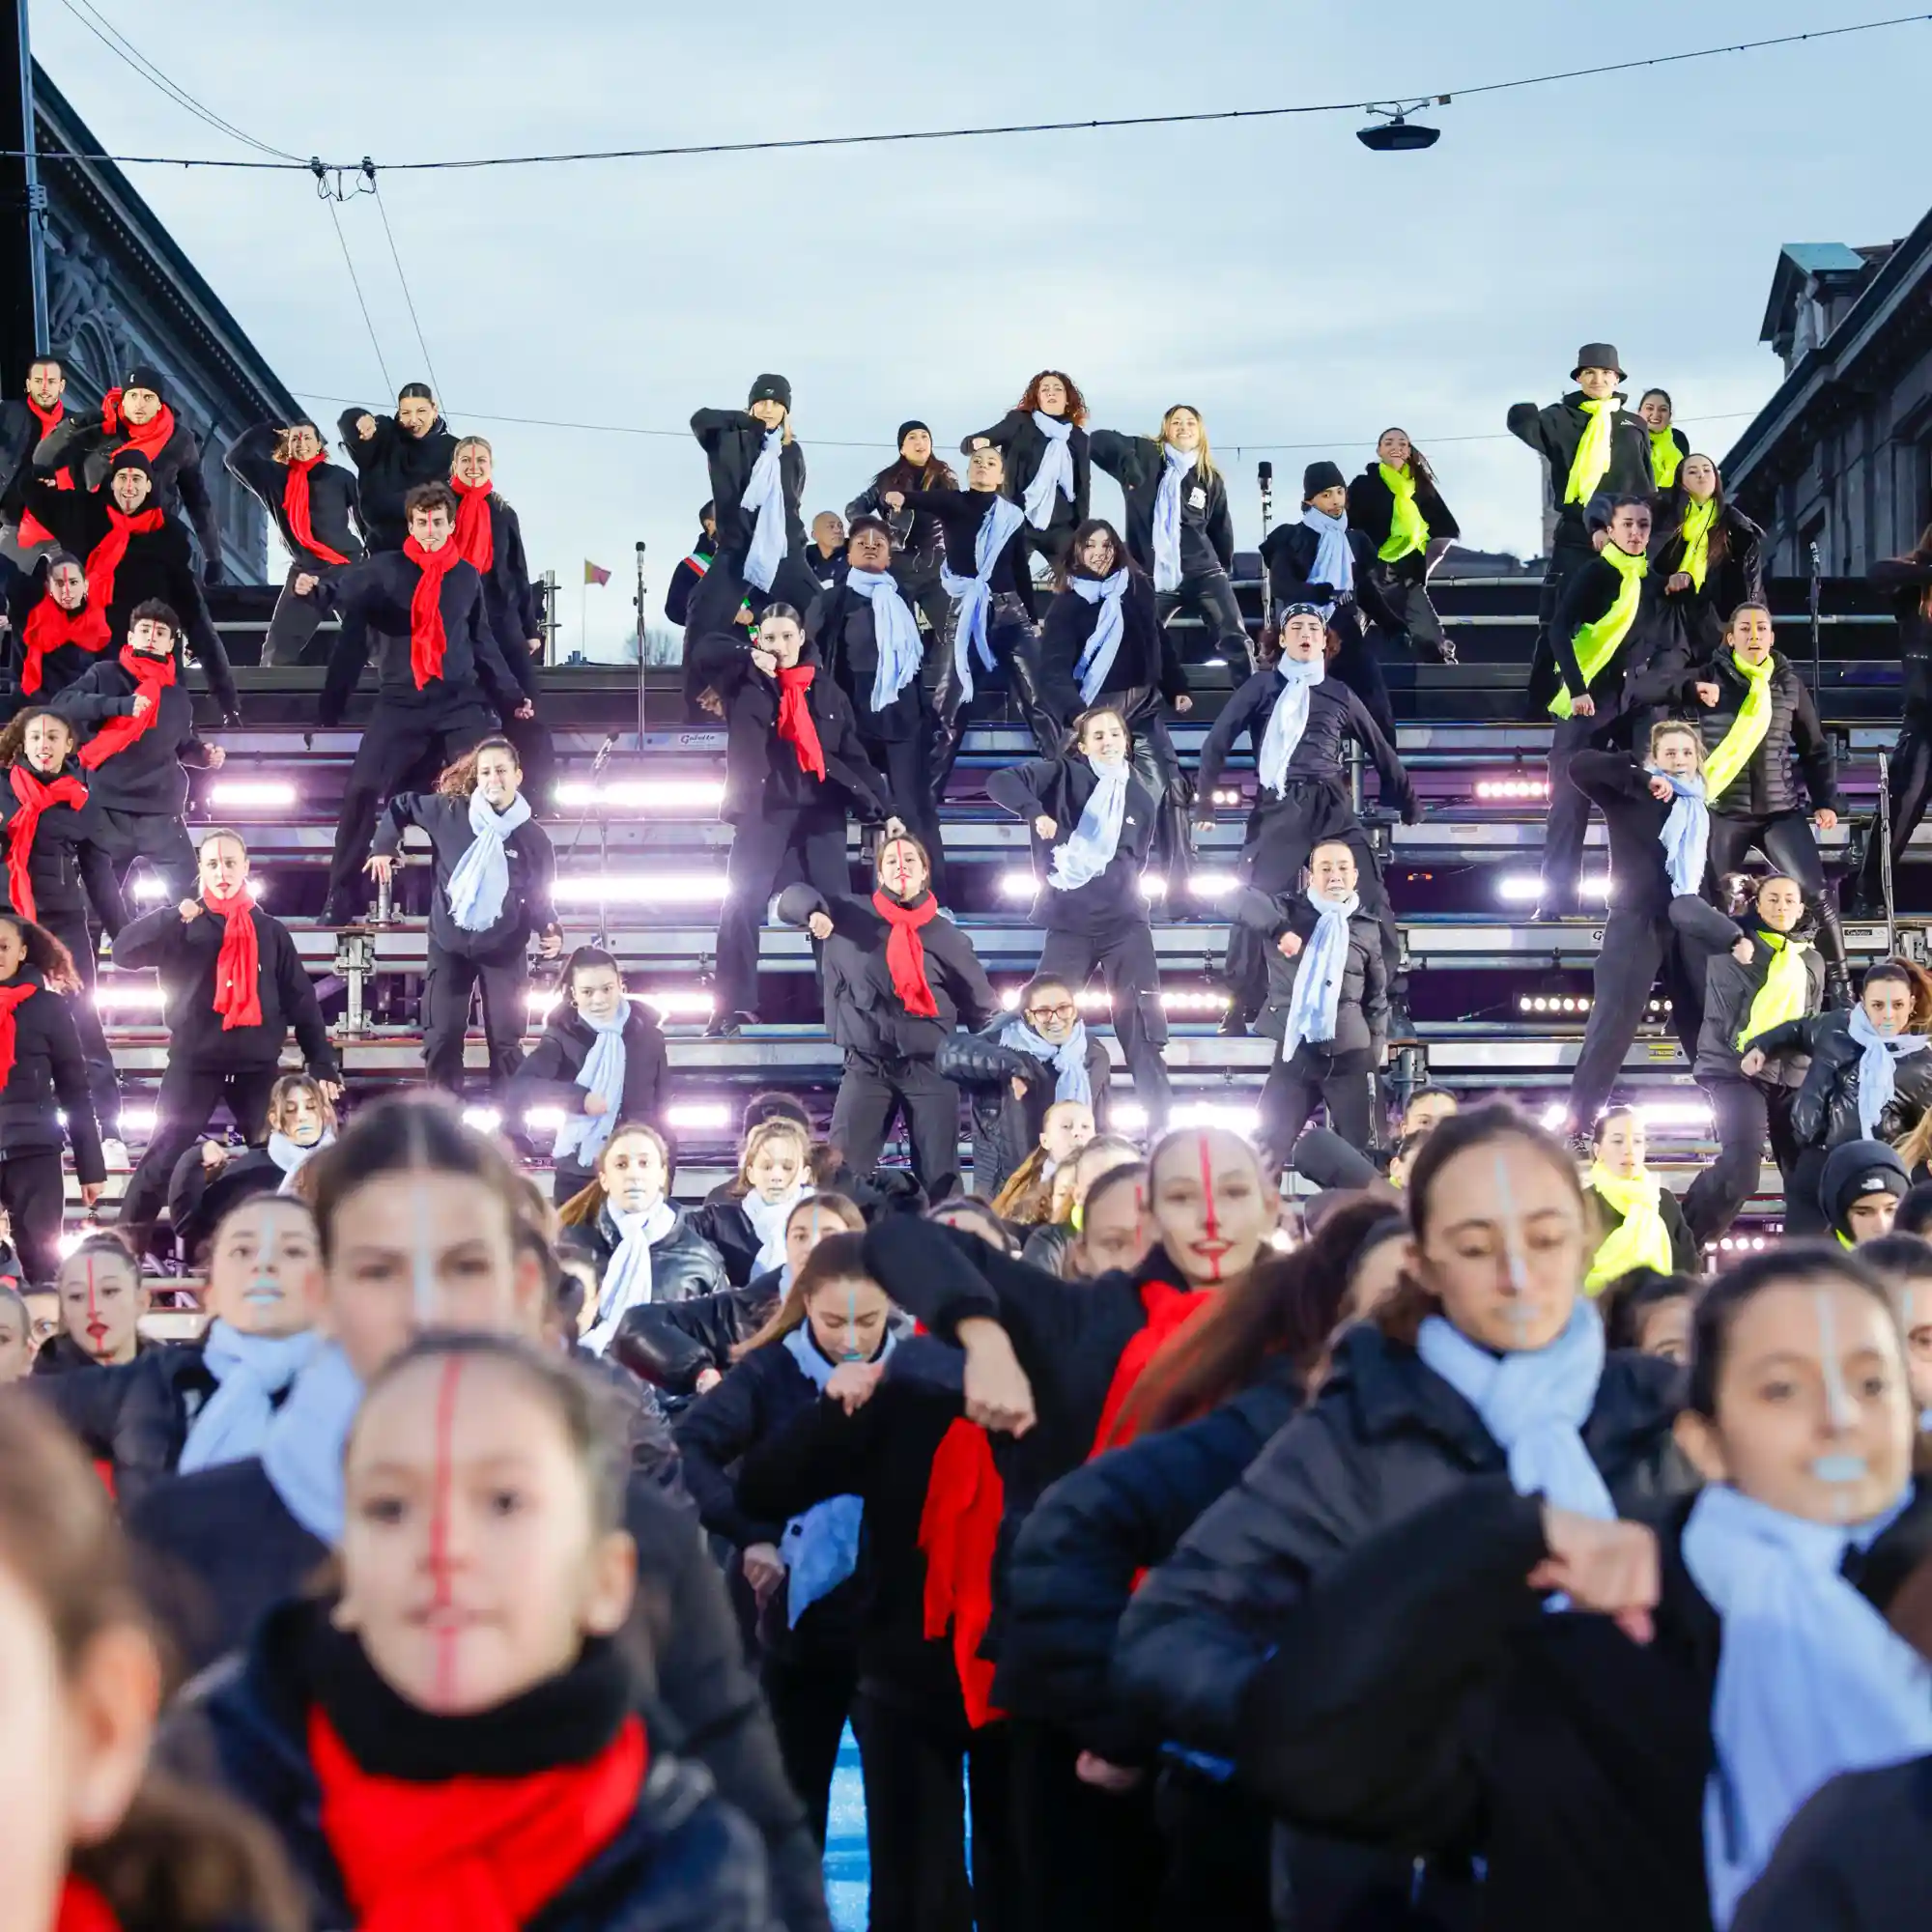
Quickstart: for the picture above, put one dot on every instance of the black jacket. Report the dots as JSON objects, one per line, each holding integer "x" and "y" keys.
{"x": 185, "y": 957}
{"x": 137, "y": 1415}
{"x": 960, "y": 513}
{"x": 547, "y": 1076}
{"x": 1729, "y": 989}
{"x": 219, "y": 1549}
{"x": 916, "y": 531}
{"x": 1137, "y": 463}
{"x": 841, "y": 624}
{"x": 684, "y": 1264}
{"x": 1683, "y": 1256}
{"x": 1076, "y": 1562}
{"x": 66, "y": 866}
{"x": 375, "y": 595}
{"x": 58, "y": 668}
{"x": 509, "y": 597}
{"x": 733, "y": 441}
{"x": 671, "y": 1344}
{"x": 21, "y": 485}
{"x": 863, "y": 1013}
{"x": 1019, "y": 439}
{"x": 1006, "y": 1129}
{"x": 1907, "y": 585}
{"x": 1554, "y": 432}
{"x": 49, "y": 1078}
{"x": 763, "y": 773}
{"x": 148, "y": 774}
{"x": 722, "y": 1220}
{"x": 1058, "y": 789}
{"x": 1335, "y": 714}
{"x": 687, "y": 577}
{"x": 1289, "y": 552}
{"x": 1588, "y": 593}
{"x": 1372, "y": 512}
{"x": 1147, "y": 660}
{"x": 80, "y": 445}
{"x": 1386, "y": 1435}
{"x": 1619, "y": 786}
{"x": 527, "y": 909}
{"x": 198, "y": 1201}
{"x": 1362, "y": 1009}
{"x": 389, "y": 465}
{"x": 1736, "y": 577}
{"x": 332, "y": 497}
{"x": 1826, "y": 1112}
{"x": 1767, "y": 784}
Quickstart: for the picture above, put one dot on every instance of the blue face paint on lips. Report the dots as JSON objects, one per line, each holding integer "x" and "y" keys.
{"x": 1842, "y": 1468}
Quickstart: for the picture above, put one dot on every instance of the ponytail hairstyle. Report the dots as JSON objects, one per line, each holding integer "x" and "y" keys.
{"x": 14, "y": 737}
{"x": 1028, "y": 1194}
{"x": 45, "y": 953}
{"x": 1419, "y": 468}
{"x": 837, "y": 1258}
{"x": 458, "y": 778}
{"x": 587, "y": 1202}
{"x": 1738, "y": 610}
{"x": 1673, "y": 728}
{"x": 1076, "y": 403}
{"x": 1908, "y": 972}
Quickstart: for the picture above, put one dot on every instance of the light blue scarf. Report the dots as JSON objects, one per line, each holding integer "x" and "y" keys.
{"x": 1334, "y": 561}
{"x": 627, "y": 1275}
{"x": 1534, "y": 1402}
{"x": 251, "y": 1371}
{"x": 820, "y": 1547}
{"x": 1091, "y": 850}
{"x": 1167, "y": 515}
{"x": 582, "y": 1137}
{"x": 1110, "y": 625}
{"x": 302, "y": 1451}
{"x": 1055, "y": 471}
{"x": 974, "y": 595}
{"x": 479, "y": 882}
{"x": 1877, "y": 1086}
{"x": 291, "y": 1156}
{"x": 764, "y": 498}
{"x": 768, "y": 1220}
{"x": 1811, "y": 1679}
{"x": 1287, "y": 721}
{"x": 894, "y": 630}
{"x": 1319, "y": 973}
{"x": 1068, "y": 1059}
{"x": 1686, "y": 834}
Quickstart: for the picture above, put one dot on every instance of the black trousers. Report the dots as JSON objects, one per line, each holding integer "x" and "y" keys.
{"x": 1209, "y": 594}
{"x": 401, "y": 749}
{"x": 1218, "y": 1852}
{"x": 916, "y": 576}
{"x": 157, "y": 838}
{"x": 766, "y": 855}
{"x": 1804, "y": 1211}
{"x": 1125, "y": 957}
{"x": 1637, "y": 947}
{"x": 1357, "y": 667}
{"x": 296, "y": 619}
{"x": 1746, "y": 1114}
{"x": 34, "y": 1196}
{"x": 1342, "y": 1082}
{"x": 103, "y": 1085}
{"x": 1404, "y": 586}
{"x": 915, "y": 1824}
{"x": 811, "y": 1699}
{"x": 714, "y": 604}
{"x": 536, "y": 754}
{"x": 1569, "y": 812}
{"x": 1014, "y": 640}
{"x": 1087, "y": 1860}
{"x": 1910, "y": 784}
{"x": 183, "y": 1106}
{"x": 907, "y": 765}
{"x": 871, "y": 1090}
{"x": 1787, "y": 841}
{"x": 448, "y": 989}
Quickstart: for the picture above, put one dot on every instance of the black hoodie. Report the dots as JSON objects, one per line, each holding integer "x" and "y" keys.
{"x": 390, "y": 464}
{"x": 1022, "y": 443}
{"x": 1554, "y": 432}
{"x": 1147, "y": 660}
{"x": 444, "y": 816}
{"x": 83, "y": 447}
{"x": 49, "y": 1078}
{"x": 146, "y": 776}
{"x": 332, "y": 496}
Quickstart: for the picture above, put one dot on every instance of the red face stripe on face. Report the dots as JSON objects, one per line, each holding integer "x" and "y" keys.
{"x": 438, "y": 1530}
{"x": 96, "y": 1327}
{"x": 1208, "y": 1204}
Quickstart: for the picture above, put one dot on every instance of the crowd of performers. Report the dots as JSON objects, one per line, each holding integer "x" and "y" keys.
{"x": 1444, "y": 1552}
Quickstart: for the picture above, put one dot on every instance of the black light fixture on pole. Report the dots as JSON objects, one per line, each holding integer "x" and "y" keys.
{"x": 1396, "y": 133}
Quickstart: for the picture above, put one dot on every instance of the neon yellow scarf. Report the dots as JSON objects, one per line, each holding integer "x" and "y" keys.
{"x": 1786, "y": 992}
{"x": 1597, "y": 643}
{"x": 1664, "y": 457}
{"x": 1592, "y": 461}
{"x": 1698, "y": 521}
{"x": 1746, "y": 732}
{"x": 1640, "y": 1240}
{"x": 1408, "y": 532}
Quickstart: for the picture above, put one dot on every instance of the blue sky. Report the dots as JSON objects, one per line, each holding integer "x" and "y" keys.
{"x": 1297, "y": 288}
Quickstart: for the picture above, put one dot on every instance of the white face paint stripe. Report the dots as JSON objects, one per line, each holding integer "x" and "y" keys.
{"x": 423, "y": 1272}
{"x": 1511, "y": 1224}
{"x": 1838, "y": 1398}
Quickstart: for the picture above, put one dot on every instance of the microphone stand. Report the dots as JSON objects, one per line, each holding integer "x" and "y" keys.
{"x": 643, "y": 683}
{"x": 1817, "y": 590}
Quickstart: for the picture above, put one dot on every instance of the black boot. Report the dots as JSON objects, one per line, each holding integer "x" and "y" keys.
{"x": 1832, "y": 949}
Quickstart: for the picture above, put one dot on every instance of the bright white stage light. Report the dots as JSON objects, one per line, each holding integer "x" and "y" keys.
{"x": 256, "y": 792}
{"x": 1674, "y": 1113}
{"x": 1553, "y": 1116}
{"x": 148, "y": 887}
{"x": 1525, "y": 888}
{"x": 642, "y": 889}
{"x": 1215, "y": 1113}
{"x": 1152, "y": 886}
{"x": 1016, "y": 885}
{"x": 485, "y": 1120}
{"x": 1513, "y": 788}
{"x": 544, "y": 1120}
{"x": 1213, "y": 885}
{"x": 134, "y": 996}
{"x": 1127, "y": 1117}
{"x": 1010, "y": 998}
{"x": 1093, "y": 999}
{"x": 698, "y": 1113}
{"x": 138, "y": 1118}
{"x": 643, "y": 795}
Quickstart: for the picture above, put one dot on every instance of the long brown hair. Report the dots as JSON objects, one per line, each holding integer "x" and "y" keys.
{"x": 1028, "y": 1195}
{"x": 458, "y": 778}
{"x": 1076, "y": 403}
{"x": 587, "y": 1202}
{"x": 46, "y": 953}
{"x": 1718, "y": 546}
{"x": 837, "y": 1258}
{"x": 14, "y": 737}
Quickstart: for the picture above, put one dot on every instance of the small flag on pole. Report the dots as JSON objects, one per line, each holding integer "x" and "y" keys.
{"x": 595, "y": 573}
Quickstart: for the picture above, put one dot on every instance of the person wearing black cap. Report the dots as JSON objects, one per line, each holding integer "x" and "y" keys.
{"x": 1042, "y": 442}
{"x": 25, "y": 423}
{"x": 918, "y": 543}
{"x": 136, "y": 415}
{"x": 312, "y": 504}
{"x": 869, "y": 638}
{"x": 690, "y": 572}
{"x": 54, "y": 630}
{"x": 394, "y": 455}
{"x": 1320, "y": 560}
{"x": 1395, "y": 504}
{"x": 1862, "y": 1183}
{"x": 758, "y": 484}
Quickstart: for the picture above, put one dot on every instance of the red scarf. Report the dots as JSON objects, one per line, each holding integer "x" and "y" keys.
{"x": 474, "y": 539}
{"x": 905, "y": 952}
{"x": 295, "y": 507}
{"x": 82, "y": 1909}
{"x": 427, "y": 639}
{"x": 106, "y": 556}
{"x": 1168, "y": 1309}
{"x": 49, "y": 628}
{"x": 238, "y": 967}
{"x": 471, "y": 1854}
{"x": 152, "y": 675}
{"x": 150, "y": 438}
{"x": 958, "y": 1533}
{"x": 32, "y": 529}
{"x": 34, "y": 795}
{"x": 795, "y": 726}
{"x": 10, "y": 998}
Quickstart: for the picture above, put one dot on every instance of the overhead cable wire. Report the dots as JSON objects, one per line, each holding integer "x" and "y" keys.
{"x": 421, "y": 342}
{"x": 356, "y": 282}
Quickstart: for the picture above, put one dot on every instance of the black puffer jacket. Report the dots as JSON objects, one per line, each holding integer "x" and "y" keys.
{"x": 547, "y": 1076}
{"x": 1826, "y": 1112}
{"x": 733, "y": 440}
{"x": 1058, "y": 789}
{"x": 683, "y": 1264}
{"x": 66, "y": 866}
{"x": 1767, "y": 784}
{"x": 1137, "y": 463}
{"x": 1006, "y": 1129}
{"x": 671, "y": 1344}
{"x": 48, "y": 1078}
{"x": 1363, "y": 1007}
{"x": 199, "y": 1199}
{"x": 1729, "y": 989}
{"x": 389, "y": 465}
{"x": 137, "y": 1415}
{"x": 1146, "y": 661}
{"x": 1386, "y": 1435}
{"x": 1023, "y": 444}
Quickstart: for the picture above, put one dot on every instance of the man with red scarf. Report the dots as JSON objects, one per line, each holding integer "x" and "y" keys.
{"x": 234, "y": 986}
{"x": 25, "y": 423}
{"x": 312, "y": 504}
{"x": 55, "y": 632}
{"x": 441, "y": 682}
{"x": 899, "y": 979}
{"x": 793, "y": 767}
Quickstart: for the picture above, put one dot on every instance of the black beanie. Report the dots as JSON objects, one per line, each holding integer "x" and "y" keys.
{"x": 130, "y": 458}
{"x": 771, "y": 389}
{"x": 145, "y": 376}
{"x": 1320, "y": 476}
{"x": 1855, "y": 1169}
{"x": 421, "y": 389}
{"x": 905, "y": 429}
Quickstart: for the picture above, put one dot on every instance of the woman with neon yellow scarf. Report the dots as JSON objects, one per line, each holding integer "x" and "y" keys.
{"x": 1710, "y": 557}
{"x": 1396, "y": 504}
{"x": 1668, "y": 446}
{"x": 1642, "y": 1222}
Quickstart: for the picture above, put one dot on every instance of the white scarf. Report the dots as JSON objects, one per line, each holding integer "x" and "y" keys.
{"x": 581, "y": 1136}
{"x": 1110, "y": 625}
{"x": 894, "y": 630}
{"x": 974, "y": 595}
{"x": 250, "y": 1371}
{"x": 768, "y": 1220}
{"x": 1319, "y": 971}
{"x": 1167, "y": 516}
{"x": 627, "y": 1275}
{"x": 1055, "y": 471}
{"x": 479, "y": 882}
{"x": 291, "y": 1156}
{"x": 1877, "y": 1084}
{"x": 764, "y": 498}
{"x": 1287, "y": 721}
{"x": 1091, "y": 849}
{"x": 1334, "y": 561}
